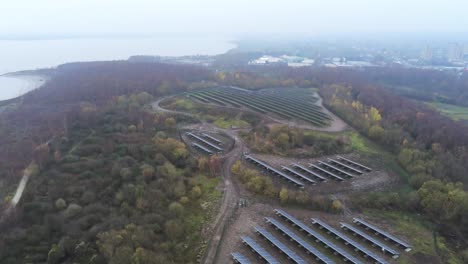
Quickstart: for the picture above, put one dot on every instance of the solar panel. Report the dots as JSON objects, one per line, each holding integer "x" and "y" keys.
{"x": 346, "y": 166}
{"x": 375, "y": 242}
{"x": 275, "y": 171}
{"x": 335, "y": 168}
{"x": 310, "y": 249}
{"x": 205, "y": 142}
{"x": 386, "y": 235}
{"x": 326, "y": 172}
{"x": 278, "y": 244}
{"x": 297, "y": 166}
{"x": 300, "y": 175}
{"x": 202, "y": 148}
{"x": 318, "y": 237}
{"x": 349, "y": 241}
{"x": 355, "y": 164}
{"x": 239, "y": 258}
{"x": 259, "y": 250}
{"x": 211, "y": 138}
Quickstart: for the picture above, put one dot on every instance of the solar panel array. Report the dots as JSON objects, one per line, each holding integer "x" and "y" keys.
{"x": 321, "y": 171}
{"x": 239, "y": 258}
{"x": 374, "y": 242}
{"x": 348, "y": 241}
{"x": 386, "y": 235}
{"x": 205, "y": 142}
{"x": 273, "y": 170}
{"x": 215, "y": 140}
{"x": 355, "y": 164}
{"x": 327, "y": 173}
{"x": 347, "y": 167}
{"x": 299, "y": 175}
{"x": 336, "y": 169}
{"x": 310, "y": 172}
{"x": 310, "y": 249}
{"x": 318, "y": 237}
{"x": 207, "y": 151}
{"x": 259, "y": 250}
{"x": 278, "y": 244}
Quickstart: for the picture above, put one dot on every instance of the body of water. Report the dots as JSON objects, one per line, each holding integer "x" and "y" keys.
{"x": 18, "y": 55}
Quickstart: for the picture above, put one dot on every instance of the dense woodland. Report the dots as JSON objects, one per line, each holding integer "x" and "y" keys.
{"x": 104, "y": 158}
{"x": 115, "y": 183}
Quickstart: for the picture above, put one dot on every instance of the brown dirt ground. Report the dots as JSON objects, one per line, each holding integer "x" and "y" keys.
{"x": 246, "y": 218}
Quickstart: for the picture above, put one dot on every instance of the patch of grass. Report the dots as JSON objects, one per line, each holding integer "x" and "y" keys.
{"x": 362, "y": 145}
{"x": 455, "y": 112}
{"x": 418, "y": 234}
{"x": 370, "y": 150}
{"x": 184, "y": 104}
{"x": 228, "y": 122}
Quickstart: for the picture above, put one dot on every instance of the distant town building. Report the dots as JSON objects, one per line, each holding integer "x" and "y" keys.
{"x": 427, "y": 53}
{"x": 455, "y": 52}
{"x": 291, "y": 61}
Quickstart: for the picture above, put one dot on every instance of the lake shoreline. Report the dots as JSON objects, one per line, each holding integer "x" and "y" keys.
{"x": 24, "y": 82}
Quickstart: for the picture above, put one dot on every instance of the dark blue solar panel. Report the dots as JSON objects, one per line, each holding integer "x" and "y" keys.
{"x": 259, "y": 250}
{"x": 278, "y": 244}
{"x": 300, "y": 175}
{"x": 299, "y": 241}
{"x": 202, "y": 148}
{"x": 297, "y": 166}
{"x": 336, "y": 169}
{"x": 268, "y": 167}
{"x": 239, "y": 258}
{"x": 212, "y": 138}
{"x": 355, "y": 163}
{"x": 384, "y": 247}
{"x": 349, "y": 241}
{"x": 326, "y": 172}
{"x": 384, "y": 234}
{"x": 204, "y": 141}
{"x": 319, "y": 237}
{"x": 346, "y": 166}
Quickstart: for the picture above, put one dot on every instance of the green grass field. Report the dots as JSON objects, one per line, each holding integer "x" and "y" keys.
{"x": 453, "y": 111}
{"x": 418, "y": 233}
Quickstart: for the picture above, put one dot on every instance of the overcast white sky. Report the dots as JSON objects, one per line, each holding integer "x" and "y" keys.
{"x": 233, "y": 16}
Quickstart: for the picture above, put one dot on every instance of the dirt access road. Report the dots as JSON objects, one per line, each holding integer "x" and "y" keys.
{"x": 230, "y": 192}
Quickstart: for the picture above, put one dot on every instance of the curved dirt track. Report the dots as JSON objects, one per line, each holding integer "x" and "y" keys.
{"x": 231, "y": 193}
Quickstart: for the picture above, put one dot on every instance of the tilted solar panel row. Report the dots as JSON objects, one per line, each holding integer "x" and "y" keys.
{"x": 328, "y": 173}
{"x": 349, "y": 168}
{"x": 259, "y": 250}
{"x": 318, "y": 237}
{"x": 374, "y": 242}
{"x": 202, "y": 148}
{"x": 212, "y": 138}
{"x": 279, "y": 245}
{"x": 329, "y": 166}
{"x": 205, "y": 142}
{"x": 299, "y": 175}
{"x": 348, "y": 241}
{"x": 275, "y": 171}
{"x": 239, "y": 258}
{"x": 362, "y": 167}
{"x": 302, "y": 168}
{"x": 302, "y": 243}
{"x": 386, "y": 235}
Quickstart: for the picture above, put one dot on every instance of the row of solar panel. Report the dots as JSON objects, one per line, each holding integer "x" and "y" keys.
{"x": 312, "y": 174}
{"x": 206, "y": 143}
{"x": 320, "y": 257}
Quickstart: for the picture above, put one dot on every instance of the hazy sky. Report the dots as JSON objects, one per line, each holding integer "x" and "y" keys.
{"x": 236, "y": 16}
